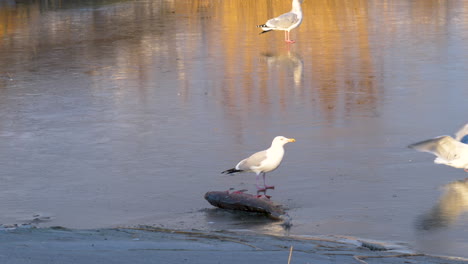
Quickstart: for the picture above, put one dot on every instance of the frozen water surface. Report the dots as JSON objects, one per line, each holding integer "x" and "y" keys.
{"x": 119, "y": 113}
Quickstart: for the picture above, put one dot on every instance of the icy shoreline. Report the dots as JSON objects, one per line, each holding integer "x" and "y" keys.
{"x": 157, "y": 245}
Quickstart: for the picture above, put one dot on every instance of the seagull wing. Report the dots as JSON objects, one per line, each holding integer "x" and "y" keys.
{"x": 283, "y": 22}
{"x": 253, "y": 161}
{"x": 462, "y": 134}
{"x": 444, "y": 147}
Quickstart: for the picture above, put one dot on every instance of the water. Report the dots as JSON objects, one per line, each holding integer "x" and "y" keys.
{"x": 118, "y": 113}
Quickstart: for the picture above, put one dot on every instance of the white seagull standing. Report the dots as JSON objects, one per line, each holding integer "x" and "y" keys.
{"x": 449, "y": 151}
{"x": 286, "y": 22}
{"x": 263, "y": 161}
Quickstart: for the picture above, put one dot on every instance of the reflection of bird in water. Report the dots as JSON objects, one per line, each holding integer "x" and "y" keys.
{"x": 263, "y": 161}
{"x": 449, "y": 151}
{"x": 286, "y": 22}
{"x": 451, "y": 205}
{"x": 288, "y": 60}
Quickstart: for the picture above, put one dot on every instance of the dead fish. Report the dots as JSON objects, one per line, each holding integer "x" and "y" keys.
{"x": 241, "y": 201}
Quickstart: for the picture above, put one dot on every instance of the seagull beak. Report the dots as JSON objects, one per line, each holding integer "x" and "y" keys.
{"x": 292, "y": 140}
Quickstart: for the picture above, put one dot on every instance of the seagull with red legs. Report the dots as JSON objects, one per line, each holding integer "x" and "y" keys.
{"x": 286, "y": 21}
{"x": 263, "y": 161}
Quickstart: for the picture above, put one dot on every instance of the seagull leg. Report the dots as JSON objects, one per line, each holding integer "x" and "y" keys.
{"x": 288, "y": 40}
{"x": 259, "y": 189}
{"x": 263, "y": 195}
{"x": 466, "y": 169}
{"x": 264, "y": 184}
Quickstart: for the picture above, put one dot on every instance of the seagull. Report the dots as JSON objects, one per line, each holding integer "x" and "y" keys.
{"x": 263, "y": 161}
{"x": 449, "y": 151}
{"x": 286, "y": 22}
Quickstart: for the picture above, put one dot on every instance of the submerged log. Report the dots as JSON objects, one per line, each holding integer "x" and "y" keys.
{"x": 246, "y": 202}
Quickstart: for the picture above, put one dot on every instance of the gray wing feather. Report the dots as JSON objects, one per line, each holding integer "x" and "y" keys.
{"x": 284, "y": 21}
{"x": 253, "y": 161}
{"x": 444, "y": 147}
{"x": 462, "y": 132}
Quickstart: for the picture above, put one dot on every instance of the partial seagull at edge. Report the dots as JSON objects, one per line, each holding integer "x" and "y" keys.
{"x": 449, "y": 151}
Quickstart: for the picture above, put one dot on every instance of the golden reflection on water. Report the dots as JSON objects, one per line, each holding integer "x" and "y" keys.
{"x": 451, "y": 206}
{"x": 338, "y": 62}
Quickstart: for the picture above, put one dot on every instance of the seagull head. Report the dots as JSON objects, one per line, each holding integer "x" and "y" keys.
{"x": 280, "y": 140}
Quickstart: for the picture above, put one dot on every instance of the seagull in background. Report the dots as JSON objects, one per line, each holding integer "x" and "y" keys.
{"x": 286, "y": 22}
{"x": 263, "y": 161}
{"x": 449, "y": 151}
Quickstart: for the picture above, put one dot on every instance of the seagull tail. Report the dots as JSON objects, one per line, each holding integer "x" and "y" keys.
{"x": 230, "y": 171}
{"x": 265, "y": 29}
